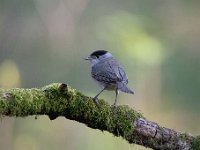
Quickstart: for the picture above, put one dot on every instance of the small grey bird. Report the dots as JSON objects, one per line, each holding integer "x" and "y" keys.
{"x": 108, "y": 73}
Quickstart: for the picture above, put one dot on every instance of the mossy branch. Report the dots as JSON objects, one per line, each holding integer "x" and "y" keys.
{"x": 61, "y": 100}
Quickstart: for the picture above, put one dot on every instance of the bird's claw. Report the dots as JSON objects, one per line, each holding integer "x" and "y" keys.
{"x": 95, "y": 100}
{"x": 114, "y": 105}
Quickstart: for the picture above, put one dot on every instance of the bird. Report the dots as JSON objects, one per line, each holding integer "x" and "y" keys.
{"x": 108, "y": 73}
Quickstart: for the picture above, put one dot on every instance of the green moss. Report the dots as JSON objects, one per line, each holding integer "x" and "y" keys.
{"x": 196, "y": 143}
{"x": 61, "y": 100}
{"x": 123, "y": 119}
{"x": 51, "y": 91}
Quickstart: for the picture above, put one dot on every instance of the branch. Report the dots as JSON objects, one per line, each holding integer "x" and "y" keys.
{"x": 61, "y": 100}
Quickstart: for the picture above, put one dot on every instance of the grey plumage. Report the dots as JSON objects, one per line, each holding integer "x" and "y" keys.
{"x": 108, "y": 73}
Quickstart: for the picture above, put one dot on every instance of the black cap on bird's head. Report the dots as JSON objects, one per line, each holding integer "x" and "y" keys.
{"x": 97, "y": 54}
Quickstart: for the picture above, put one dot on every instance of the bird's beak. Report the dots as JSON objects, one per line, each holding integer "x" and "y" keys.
{"x": 87, "y": 58}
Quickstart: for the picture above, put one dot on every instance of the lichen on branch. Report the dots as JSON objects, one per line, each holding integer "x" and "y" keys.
{"x": 58, "y": 99}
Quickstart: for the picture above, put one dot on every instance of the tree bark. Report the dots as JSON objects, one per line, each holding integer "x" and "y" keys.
{"x": 61, "y": 100}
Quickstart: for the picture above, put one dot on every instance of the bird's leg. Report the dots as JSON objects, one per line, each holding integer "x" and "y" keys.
{"x": 95, "y": 98}
{"x": 116, "y": 92}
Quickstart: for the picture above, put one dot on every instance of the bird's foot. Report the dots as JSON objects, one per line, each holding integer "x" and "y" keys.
{"x": 114, "y": 105}
{"x": 95, "y": 100}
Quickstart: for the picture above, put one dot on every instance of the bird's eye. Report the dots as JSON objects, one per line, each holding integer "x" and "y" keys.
{"x": 95, "y": 56}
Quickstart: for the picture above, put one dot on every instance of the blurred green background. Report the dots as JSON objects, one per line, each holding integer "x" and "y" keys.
{"x": 45, "y": 41}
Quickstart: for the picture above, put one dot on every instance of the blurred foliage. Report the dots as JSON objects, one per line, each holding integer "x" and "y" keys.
{"x": 9, "y": 73}
{"x": 156, "y": 41}
{"x": 126, "y": 30}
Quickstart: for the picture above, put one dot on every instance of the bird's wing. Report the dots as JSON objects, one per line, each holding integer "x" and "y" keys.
{"x": 109, "y": 72}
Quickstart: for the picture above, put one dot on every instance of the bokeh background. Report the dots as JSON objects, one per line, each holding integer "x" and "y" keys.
{"x": 45, "y": 41}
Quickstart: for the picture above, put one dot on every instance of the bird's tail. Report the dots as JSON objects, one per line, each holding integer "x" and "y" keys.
{"x": 122, "y": 87}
